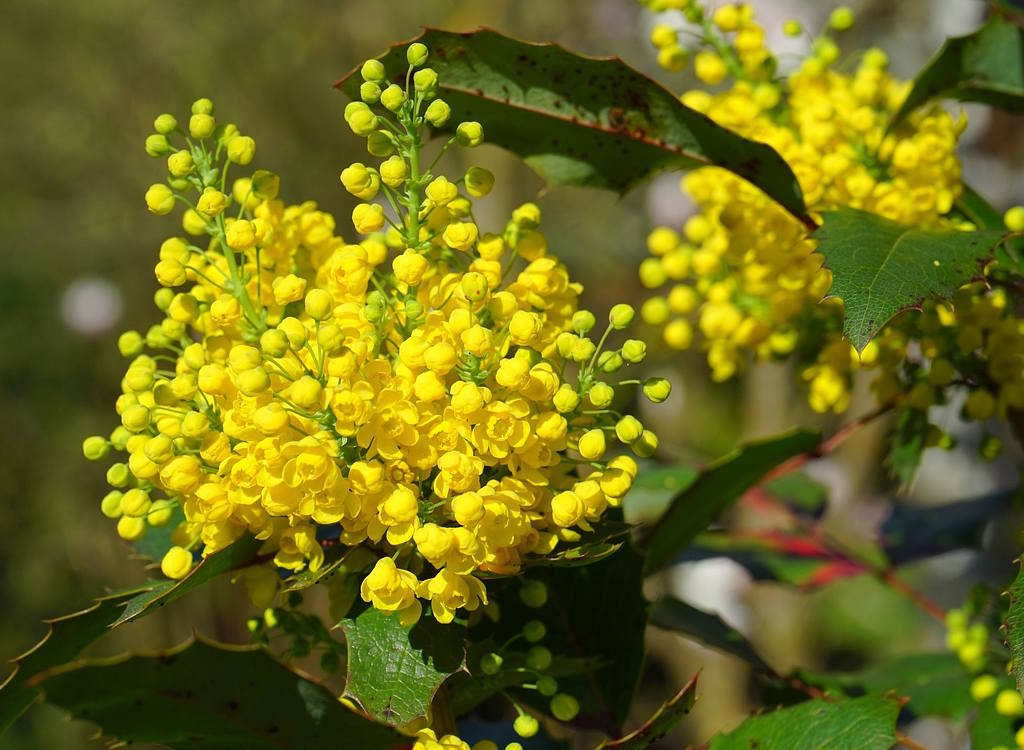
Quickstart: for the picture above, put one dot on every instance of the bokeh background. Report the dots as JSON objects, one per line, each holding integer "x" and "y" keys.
{"x": 82, "y": 82}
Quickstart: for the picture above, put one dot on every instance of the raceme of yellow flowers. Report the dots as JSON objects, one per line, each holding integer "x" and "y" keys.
{"x": 431, "y": 393}
{"x": 745, "y": 274}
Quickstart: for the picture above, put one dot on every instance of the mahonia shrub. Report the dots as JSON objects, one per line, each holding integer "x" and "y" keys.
{"x": 742, "y": 278}
{"x": 425, "y": 421}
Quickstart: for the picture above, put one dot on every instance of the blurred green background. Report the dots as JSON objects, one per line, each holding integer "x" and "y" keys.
{"x": 82, "y": 82}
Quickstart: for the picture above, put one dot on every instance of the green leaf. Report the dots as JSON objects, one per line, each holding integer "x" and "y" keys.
{"x": 709, "y": 629}
{"x": 1013, "y": 626}
{"x": 935, "y": 684}
{"x": 717, "y": 487}
{"x": 866, "y": 723}
{"x": 394, "y": 671}
{"x": 206, "y": 696}
{"x": 580, "y": 120}
{"x": 986, "y": 66}
{"x": 880, "y": 268}
{"x": 664, "y": 719}
{"x": 654, "y": 489}
{"x": 69, "y": 635}
{"x": 907, "y": 445}
{"x": 798, "y": 490}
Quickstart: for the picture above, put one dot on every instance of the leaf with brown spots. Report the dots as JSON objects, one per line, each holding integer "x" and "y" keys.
{"x": 579, "y": 120}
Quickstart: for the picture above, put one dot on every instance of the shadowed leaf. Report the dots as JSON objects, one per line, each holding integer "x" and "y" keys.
{"x": 205, "y": 696}
{"x": 69, "y": 635}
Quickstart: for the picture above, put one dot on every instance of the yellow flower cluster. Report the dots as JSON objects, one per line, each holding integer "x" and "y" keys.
{"x": 430, "y": 393}
{"x": 743, "y": 270}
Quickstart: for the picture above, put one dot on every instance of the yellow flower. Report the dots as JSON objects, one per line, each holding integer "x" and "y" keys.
{"x": 391, "y": 589}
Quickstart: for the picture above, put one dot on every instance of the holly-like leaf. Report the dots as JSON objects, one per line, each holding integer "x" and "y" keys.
{"x": 206, "y": 696}
{"x": 866, "y": 723}
{"x": 880, "y": 268}
{"x": 581, "y": 120}
{"x": 718, "y": 487}
{"x": 708, "y": 628}
{"x": 69, "y": 635}
{"x": 664, "y": 719}
{"x": 934, "y": 684}
{"x": 1013, "y": 626}
{"x": 394, "y": 671}
{"x": 985, "y": 66}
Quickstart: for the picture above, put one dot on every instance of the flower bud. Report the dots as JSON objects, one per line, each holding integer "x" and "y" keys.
{"x": 646, "y": 445}
{"x": 274, "y": 343}
{"x": 547, "y": 686}
{"x": 566, "y": 399}
{"x": 657, "y": 389}
{"x": 460, "y": 235}
{"x": 628, "y": 429}
{"x": 212, "y": 202}
{"x": 437, "y": 113}
{"x": 592, "y": 445}
{"x": 583, "y": 322}
{"x": 394, "y": 171}
{"x": 319, "y": 304}
{"x": 180, "y": 163}
{"x": 416, "y": 54}
{"x": 130, "y": 343}
{"x": 95, "y": 448}
{"x": 425, "y": 82}
{"x": 176, "y": 563}
{"x": 393, "y": 97}
{"x": 841, "y": 19}
{"x": 369, "y": 92}
{"x": 621, "y": 316}
{"x": 265, "y": 184}
{"x": 241, "y": 149}
{"x": 601, "y": 394}
{"x": 363, "y": 122}
{"x": 479, "y": 181}
{"x": 373, "y": 70}
{"x": 490, "y": 664}
{"x": 380, "y": 144}
{"x": 533, "y": 593}
{"x": 157, "y": 145}
{"x": 469, "y": 134}
{"x": 564, "y": 707}
{"x": 165, "y": 124}
{"x": 368, "y": 218}
{"x": 538, "y": 658}
{"x": 295, "y": 331}
{"x": 1014, "y": 219}
{"x": 610, "y": 362}
{"x": 474, "y": 286}
{"x": 201, "y": 126}
{"x": 159, "y": 199}
{"x": 534, "y": 631}
{"x": 634, "y": 351}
